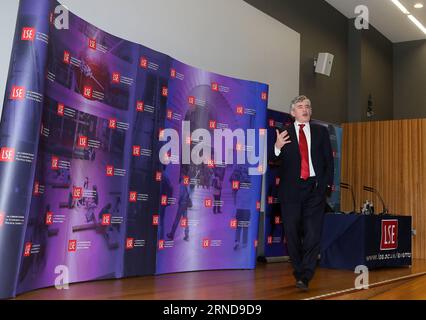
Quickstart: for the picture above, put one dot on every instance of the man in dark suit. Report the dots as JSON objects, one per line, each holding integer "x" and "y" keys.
{"x": 306, "y": 176}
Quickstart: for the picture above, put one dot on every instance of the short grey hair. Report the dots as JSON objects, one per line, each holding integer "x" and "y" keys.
{"x": 297, "y": 100}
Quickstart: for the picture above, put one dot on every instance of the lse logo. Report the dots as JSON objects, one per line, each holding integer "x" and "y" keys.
{"x": 132, "y": 196}
{"x": 172, "y": 73}
{"x": 164, "y": 200}
{"x": 277, "y": 220}
{"x": 110, "y": 171}
{"x": 136, "y": 151}
{"x": 240, "y": 110}
{"x": 87, "y": 92}
{"x": 140, "y": 106}
{"x": 18, "y": 93}
{"x": 277, "y": 181}
{"x": 55, "y": 163}
{"x": 208, "y": 203}
{"x": 82, "y": 142}
{"x": 191, "y": 100}
{"x": 186, "y": 180}
{"x": 271, "y": 123}
{"x": 2, "y": 217}
{"x": 67, "y": 57}
{"x": 27, "y": 250}
{"x": 115, "y": 77}
{"x": 49, "y": 218}
{"x": 158, "y": 176}
{"x": 270, "y": 200}
{"x": 169, "y": 114}
{"x": 164, "y": 91}
{"x": 72, "y": 245}
{"x": 184, "y": 222}
{"x": 155, "y": 219}
{"x": 144, "y": 63}
{"x": 264, "y": 96}
{"x": 258, "y": 205}
{"x": 269, "y": 239}
{"x": 36, "y": 188}
{"x": 212, "y": 124}
{"x": 106, "y": 219}
{"x": 129, "y": 243}
{"x": 233, "y": 224}
{"x": 235, "y": 185}
{"x": 215, "y": 86}
{"x": 210, "y": 164}
{"x": 161, "y": 244}
{"x": 60, "y": 110}
{"x": 92, "y": 44}
{"x": 77, "y": 192}
{"x": 206, "y": 243}
{"x": 7, "y": 154}
{"x": 389, "y": 239}
{"x": 28, "y": 34}
{"x": 112, "y": 124}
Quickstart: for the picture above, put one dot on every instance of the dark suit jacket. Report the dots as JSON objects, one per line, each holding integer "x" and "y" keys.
{"x": 289, "y": 162}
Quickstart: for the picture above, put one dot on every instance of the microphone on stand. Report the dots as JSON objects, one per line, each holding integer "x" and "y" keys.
{"x": 347, "y": 186}
{"x": 373, "y": 190}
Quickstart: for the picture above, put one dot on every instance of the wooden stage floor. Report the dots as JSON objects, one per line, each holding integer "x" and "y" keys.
{"x": 271, "y": 281}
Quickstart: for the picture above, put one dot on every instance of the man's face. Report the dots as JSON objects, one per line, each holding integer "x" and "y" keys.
{"x": 302, "y": 111}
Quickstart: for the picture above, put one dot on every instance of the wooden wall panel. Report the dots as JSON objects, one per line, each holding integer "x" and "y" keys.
{"x": 390, "y": 156}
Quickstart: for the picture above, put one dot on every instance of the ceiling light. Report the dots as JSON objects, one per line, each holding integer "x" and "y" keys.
{"x": 418, "y": 5}
{"x": 417, "y": 23}
{"x": 400, "y": 6}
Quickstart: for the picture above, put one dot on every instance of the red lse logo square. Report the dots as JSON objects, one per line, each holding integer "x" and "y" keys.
{"x": 67, "y": 57}
{"x": 36, "y": 188}
{"x": 60, "y": 110}
{"x": 132, "y": 196}
{"x": 258, "y": 205}
{"x": 115, "y": 77}
{"x": 271, "y": 123}
{"x": 169, "y": 114}
{"x": 389, "y": 238}
{"x": 106, "y": 219}
{"x": 87, "y": 92}
{"x": 277, "y": 220}
{"x": 140, "y": 106}
{"x": 269, "y": 239}
{"x": 158, "y": 176}
{"x": 82, "y": 142}
{"x": 164, "y": 91}
{"x": 240, "y": 110}
{"x": 18, "y": 93}
{"x": 233, "y": 224}
{"x": 28, "y": 34}
{"x": 55, "y": 163}
{"x": 164, "y": 200}
{"x": 210, "y": 164}
{"x": 49, "y": 218}
{"x": 72, "y": 245}
{"x": 215, "y": 86}
{"x": 7, "y": 154}
{"x": 264, "y": 96}
{"x": 144, "y": 62}
{"x": 172, "y": 73}
{"x": 206, "y": 243}
{"x": 185, "y": 180}
{"x": 136, "y": 151}
{"x": 92, "y": 43}
{"x": 270, "y": 200}
{"x": 129, "y": 243}
{"x": 235, "y": 185}
{"x": 212, "y": 124}
{"x": 191, "y": 100}
{"x": 77, "y": 192}
{"x": 112, "y": 123}
{"x": 27, "y": 249}
{"x": 277, "y": 181}
{"x": 161, "y": 244}
{"x": 2, "y": 218}
{"x": 208, "y": 203}
{"x": 184, "y": 222}
{"x": 155, "y": 220}
{"x": 110, "y": 171}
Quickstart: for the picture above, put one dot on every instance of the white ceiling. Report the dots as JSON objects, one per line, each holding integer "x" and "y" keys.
{"x": 387, "y": 18}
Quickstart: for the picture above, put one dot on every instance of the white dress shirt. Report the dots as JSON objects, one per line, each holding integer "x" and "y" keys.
{"x": 307, "y": 131}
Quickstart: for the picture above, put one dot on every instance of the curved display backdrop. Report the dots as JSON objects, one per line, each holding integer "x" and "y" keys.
{"x": 83, "y": 193}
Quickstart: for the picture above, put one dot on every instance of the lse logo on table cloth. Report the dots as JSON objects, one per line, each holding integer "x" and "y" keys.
{"x": 27, "y": 249}
{"x": 28, "y": 34}
{"x": 106, "y": 219}
{"x": 18, "y": 93}
{"x": 389, "y": 239}
{"x": 7, "y": 154}
{"x": 49, "y": 218}
{"x": 2, "y": 217}
{"x": 129, "y": 243}
{"x": 72, "y": 245}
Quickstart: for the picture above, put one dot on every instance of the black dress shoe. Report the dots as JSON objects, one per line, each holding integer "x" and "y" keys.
{"x": 302, "y": 285}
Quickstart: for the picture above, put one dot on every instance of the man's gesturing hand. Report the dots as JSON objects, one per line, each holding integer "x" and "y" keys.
{"x": 282, "y": 139}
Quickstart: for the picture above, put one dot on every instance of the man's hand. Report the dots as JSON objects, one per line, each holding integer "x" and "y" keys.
{"x": 282, "y": 139}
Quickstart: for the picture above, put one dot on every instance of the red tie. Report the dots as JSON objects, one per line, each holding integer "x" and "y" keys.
{"x": 303, "y": 148}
